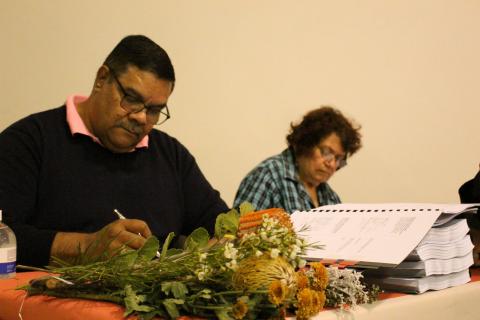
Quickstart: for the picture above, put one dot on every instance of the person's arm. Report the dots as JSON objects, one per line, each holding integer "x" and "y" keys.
{"x": 257, "y": 188}
{"x": 21, "y": 154}
{"x": 107, "y": 241}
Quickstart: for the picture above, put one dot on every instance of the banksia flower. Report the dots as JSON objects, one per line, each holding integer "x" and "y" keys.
{"x": 249, "y": 222}
{"x": 257, "y": 273}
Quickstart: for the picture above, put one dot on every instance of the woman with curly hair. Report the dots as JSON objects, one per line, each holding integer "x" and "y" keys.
{"x": 296, "y": 179}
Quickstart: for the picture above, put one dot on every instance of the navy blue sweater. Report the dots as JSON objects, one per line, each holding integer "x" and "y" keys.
{"x": 52, "y": 181}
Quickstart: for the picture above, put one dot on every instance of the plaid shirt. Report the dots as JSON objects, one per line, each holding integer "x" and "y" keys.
{"x": 274, "y": 183}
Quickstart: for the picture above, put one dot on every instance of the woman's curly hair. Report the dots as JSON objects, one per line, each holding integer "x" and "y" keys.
{"x": 317, "y": 125}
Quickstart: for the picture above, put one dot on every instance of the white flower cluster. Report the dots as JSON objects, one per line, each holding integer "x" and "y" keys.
{"x": 230, "y": 252}
{"x": 203, "y": 271}
{"x": 345, "y": 288}
{"x": 276, "y": 240}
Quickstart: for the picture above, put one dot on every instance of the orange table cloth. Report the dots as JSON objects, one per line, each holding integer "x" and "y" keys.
{"x": 50, "y": 308}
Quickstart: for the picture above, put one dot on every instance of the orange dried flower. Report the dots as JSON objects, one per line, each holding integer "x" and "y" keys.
{"x": 302, "y": 280}
{"x": 318, "y": 301}
{"x": 239, "y": 309}
{"x": 320, "y": 280}
{"x": 277, "y": 292}
{"x": 305, "y": 306}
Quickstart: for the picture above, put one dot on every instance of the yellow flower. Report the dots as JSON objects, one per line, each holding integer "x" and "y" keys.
{"x": 257, "y": 273}
{"x": 306, "y": 307}
{"x": 318, "y": 301}
{"x": 320, "y": 280}
{"x": 302, "y": 280}
{"x": 277, "y": 292}
{"x": 239, "y": 309}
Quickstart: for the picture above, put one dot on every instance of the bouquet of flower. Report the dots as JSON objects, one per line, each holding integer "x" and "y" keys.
{"x": 252, "y": 269}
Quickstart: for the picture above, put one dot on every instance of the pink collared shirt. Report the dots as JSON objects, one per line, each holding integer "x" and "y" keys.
{"x": 77, "y": 126}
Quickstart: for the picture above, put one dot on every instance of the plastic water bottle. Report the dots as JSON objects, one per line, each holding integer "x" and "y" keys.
{"x": 8, "y": 251}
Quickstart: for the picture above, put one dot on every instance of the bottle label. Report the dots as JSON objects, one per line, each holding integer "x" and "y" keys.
{"x": 7, "y": 267}
{"x": 8, "y": 259}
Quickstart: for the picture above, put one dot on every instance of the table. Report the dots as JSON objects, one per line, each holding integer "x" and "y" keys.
{"x": 459, "y": 303}
{"x": 453, "y": 303}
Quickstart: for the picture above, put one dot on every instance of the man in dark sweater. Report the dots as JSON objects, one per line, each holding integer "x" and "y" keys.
{"x": 65, "y": 170}
{"x": 470, "y": 191}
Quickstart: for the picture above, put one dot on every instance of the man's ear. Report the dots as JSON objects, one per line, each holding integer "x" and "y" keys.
{"x": 103, "y": 74}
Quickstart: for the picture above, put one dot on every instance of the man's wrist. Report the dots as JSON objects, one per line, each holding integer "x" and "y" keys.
{"x": 68, "y": 245}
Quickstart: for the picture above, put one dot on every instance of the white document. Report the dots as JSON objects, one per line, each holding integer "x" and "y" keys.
{"x": 425, "y": 251}
{"x": 453, "y": 230}
{"x": 369, "y": 234}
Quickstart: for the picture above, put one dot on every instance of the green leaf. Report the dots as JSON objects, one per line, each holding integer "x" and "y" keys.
{"x": 178, "y": 289}
{"x": 198, "y": 239}
{"x": 246, "y": 207}
{"x": 165, "y": 246}
{"x": 171, "y": 307}
{"x": 226, "y": 223}
{"x": 149, "y": 250}
{"x": 133, "y": 302}
{"x": 205, "y": 294}
{"x": 174, "y": 251}
{"x": 125, "y": 260}
{"x": 222, "y": 314}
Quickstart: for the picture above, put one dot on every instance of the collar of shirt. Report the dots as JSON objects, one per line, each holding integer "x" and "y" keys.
{"x": 289, "y": 165}
{"x": 324, "y": 192}
{"x": 77, "y": 126}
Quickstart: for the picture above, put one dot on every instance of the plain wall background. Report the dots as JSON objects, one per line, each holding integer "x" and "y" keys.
{"x": 407, "y": 71}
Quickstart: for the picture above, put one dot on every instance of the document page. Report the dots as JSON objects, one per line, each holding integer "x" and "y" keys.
{"x": 372, "y": 236}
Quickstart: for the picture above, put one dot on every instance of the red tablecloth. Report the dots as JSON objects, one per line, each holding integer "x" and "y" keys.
{"x": 49, "y": 308}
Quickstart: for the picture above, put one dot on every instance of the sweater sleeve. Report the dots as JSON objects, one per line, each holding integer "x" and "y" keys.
{"x": 20, "y": 161}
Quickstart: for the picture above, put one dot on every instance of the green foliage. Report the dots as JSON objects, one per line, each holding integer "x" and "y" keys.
{"x": 178, "y": 289}
{"x": 246, "y": 207}
{"x": 171, "y": 306}
{"x": 133, "y": 302}
{"x": 198, "y": 239}
{"x": 124, "y": 260}
{"x": 226, "y": 223}
{"x": 149, "y": 250}
{"x": 165, "y": 246}
{"x": 223, "y": 314}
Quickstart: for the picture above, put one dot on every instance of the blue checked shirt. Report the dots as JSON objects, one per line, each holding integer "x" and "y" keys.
{"x": 274, "y": 183}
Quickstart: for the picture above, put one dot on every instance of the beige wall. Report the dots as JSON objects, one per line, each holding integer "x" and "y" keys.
{"x": 408, "y": 71}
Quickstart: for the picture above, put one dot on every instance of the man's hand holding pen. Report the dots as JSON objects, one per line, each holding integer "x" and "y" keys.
{"x": 107, "y": 241}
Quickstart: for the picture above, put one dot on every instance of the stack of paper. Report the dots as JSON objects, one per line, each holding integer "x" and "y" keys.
{"x": 442, "y": 259}
{"x": 409, "y": 243}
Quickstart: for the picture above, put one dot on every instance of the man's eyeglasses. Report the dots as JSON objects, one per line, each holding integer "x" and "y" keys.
{"x": 155, "y": 114}
{"x": 329, "y": 155}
